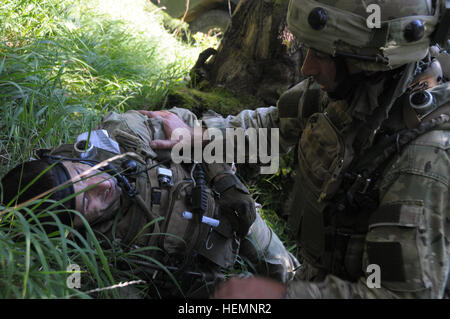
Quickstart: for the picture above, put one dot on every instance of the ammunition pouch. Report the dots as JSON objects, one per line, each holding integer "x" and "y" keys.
{"x": 182, "y": 235}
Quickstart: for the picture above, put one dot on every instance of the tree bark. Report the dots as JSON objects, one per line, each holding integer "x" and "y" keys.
{"x": 257, "y": 55}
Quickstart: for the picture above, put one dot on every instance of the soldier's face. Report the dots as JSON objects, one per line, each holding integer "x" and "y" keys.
{"x": 102, "y": 195}
{"x": 322, "y": 67}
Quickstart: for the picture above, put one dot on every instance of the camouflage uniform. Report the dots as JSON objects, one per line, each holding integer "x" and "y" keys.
{"x": 400, "y": 218}
{"x": 134, "y": 132}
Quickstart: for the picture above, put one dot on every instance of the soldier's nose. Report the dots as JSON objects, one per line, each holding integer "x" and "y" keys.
{"x": 310, "y": 66}
{"x": 101, "y": 190}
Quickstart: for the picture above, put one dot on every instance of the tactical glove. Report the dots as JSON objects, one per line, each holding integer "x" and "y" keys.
{"x": 236, "y": 204}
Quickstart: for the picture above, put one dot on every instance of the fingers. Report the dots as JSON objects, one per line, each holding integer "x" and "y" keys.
{"x": 144, "y": 112}
{"x": 250, "y": 288}
{"x": 171, "y": 122}
{"x": 163, "y": 113}
{"x": 228, "y": 290}
{"x": 163, "y": 144}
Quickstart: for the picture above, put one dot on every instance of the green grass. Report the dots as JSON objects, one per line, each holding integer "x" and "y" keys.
{"x": 63, "y": 65}
{"x": 34, "y": 263}
{"x": 274, "y": 193}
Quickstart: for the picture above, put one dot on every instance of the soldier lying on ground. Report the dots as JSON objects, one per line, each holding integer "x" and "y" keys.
{"x": 208, "y": 215}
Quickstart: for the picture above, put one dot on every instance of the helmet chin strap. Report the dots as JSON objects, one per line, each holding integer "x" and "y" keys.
{"x": 61, "y": 175}
{"x": 367, "y": 58}
{"x": 346, "y": 81}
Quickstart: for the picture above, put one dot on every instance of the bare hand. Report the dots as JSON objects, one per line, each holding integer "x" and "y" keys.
{"x": 250, "y": 288}
{"x": 171, "y": 122}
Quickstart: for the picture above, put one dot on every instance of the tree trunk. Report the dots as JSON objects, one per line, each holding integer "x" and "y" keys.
{"x": 257, "y": 55}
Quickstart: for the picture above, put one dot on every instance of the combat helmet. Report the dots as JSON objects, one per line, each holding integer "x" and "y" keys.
{"x": 375, "y": 35}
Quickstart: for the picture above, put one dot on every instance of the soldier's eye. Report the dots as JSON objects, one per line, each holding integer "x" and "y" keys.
{"x": 85, "y": 200}
{"x": 85, "y": 203}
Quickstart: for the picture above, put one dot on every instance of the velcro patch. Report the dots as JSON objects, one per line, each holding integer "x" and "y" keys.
{"x": 400, "y": 214}
{"x": 156, "y": 196}
{"x": 387, "y": 255}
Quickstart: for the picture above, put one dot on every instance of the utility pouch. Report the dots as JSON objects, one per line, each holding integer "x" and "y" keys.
{"x": 183, "y": 236}
{"x": 322, "y": 155}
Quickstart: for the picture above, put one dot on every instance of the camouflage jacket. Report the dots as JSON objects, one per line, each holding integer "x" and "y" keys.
{"x": 134, "y": 132}
{"x": 408, "y": 234}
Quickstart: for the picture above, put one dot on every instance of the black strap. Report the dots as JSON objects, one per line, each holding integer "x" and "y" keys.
{"x": 393, "y": 144}
{"x": 392, "y": 214}
{"x": 61, "y": 175}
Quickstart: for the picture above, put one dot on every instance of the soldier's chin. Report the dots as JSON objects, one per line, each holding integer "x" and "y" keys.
{"x": 326, "y": 88}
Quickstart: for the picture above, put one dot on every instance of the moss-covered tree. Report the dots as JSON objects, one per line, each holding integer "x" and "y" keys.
{"x": 257, "y": 56}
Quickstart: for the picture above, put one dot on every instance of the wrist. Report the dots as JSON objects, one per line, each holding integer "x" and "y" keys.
{"x": 199, "y": 134}
{"x": 223, "y": 182}
{"x": 219, "y": 177}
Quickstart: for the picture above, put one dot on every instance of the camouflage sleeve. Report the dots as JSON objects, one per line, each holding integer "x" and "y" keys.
{"x": 260, "y": 118}
{"x": 288, "y": 117}
{"x": 409, "y": 234}
{"x": 263, "y": 117}
{"x": 140, "y": 125}
{"x": 185, "y": 115}
{"x": 130, "y": 130}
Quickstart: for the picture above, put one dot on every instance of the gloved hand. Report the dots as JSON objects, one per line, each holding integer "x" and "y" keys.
{"x": 239, "y": 208}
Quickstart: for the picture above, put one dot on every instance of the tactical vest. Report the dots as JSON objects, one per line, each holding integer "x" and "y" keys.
{"x": 157, "y": 219}
{"x": 334, "y": 193}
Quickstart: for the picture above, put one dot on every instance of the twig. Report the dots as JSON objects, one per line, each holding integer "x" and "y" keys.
{"x": 119, "y": 285}
{"x": 184, "y": 17}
